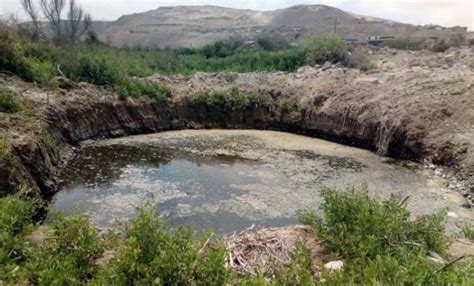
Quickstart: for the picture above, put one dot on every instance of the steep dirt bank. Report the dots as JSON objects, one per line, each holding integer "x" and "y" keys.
{"x": 407, "y": 109}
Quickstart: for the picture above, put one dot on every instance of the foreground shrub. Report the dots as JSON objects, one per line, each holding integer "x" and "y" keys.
{"x": 356, "y": 225}
{"x": 378, "y": 241}
{"x": 16, "y": 222}
{"x": 150, "y": 255}
{"x": 381, "y": 244}
{"x": 67, "y": 254}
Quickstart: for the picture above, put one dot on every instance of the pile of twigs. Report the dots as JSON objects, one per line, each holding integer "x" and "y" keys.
{"x": 252, "y": 251}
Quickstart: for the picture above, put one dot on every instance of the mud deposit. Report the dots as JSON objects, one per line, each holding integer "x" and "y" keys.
{"x": 228, "y": 180}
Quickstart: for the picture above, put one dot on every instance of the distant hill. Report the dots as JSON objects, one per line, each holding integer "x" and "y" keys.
{"x": 196, "y": 26}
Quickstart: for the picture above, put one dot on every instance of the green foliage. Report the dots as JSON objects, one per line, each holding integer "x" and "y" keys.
{"x": 143, "y": 88}
{"x": 150, "y": 255}
{"x": 231, "y": 100}
{"x": 468, "y": 231}
{"x": 96, "y": 70}
{"x": 354, "y": 223}
{"x": 288, "y": 105}
{"x": 381, "y": 244}
{"x": 68, "y": 253}
{"x": 15, "y": 224}
{"x": 326, "y": 48}
{"x": 8, "y": 102}
{"x": 11, "y": 58}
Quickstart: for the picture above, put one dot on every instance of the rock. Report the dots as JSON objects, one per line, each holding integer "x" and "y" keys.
{"x": 369, "y": 80}
{"x": 467, "y": 205}
{"x": 452, "y": 214}
{"x": 326, "y": 66}
{"x": 435, "y": 262}
{"x": 334, "y": 265}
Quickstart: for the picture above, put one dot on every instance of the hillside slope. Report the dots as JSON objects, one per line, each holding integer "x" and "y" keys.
{"x": 196, "y": 26}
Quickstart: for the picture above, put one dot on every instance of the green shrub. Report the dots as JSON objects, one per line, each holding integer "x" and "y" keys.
{"x": 11, "y": 58}
{"x": 151, "y": 255}
{"x": 41, "y": 72}
{"x": 143, "y": 88}
{"x": 68, "y": 253}
{"x": 325, "y": 48}
{"x": 288, "y": 105}
{"x": 8, "y": 101}
{"x": 381, "y": 243}
{"x": 468, "y": 231}
{"x": 16, "y": 222}
{"x": 231, "y": 100}
{"x": 353, "y": 223}
{"x": 96, "y": 70}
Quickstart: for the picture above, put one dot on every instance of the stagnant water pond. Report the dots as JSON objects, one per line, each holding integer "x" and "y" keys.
{"x": 227, "y": 180}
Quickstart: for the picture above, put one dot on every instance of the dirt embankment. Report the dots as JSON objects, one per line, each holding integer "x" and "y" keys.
{"x": 415, "y": 105}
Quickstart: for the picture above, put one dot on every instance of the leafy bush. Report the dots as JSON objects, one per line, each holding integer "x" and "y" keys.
{"x": 16, "y": 222}
{"x": 96, "y": 70}
{"x": 288, "y": 105}
{"x": 151, "y": 255}
{"x": 11, "y": 58}
{"x": 381, "y": 244}
{"x": 68, "y": 253}
{"x": 354, "y": 223}
{"x": 326, "y": 48}
{"x": 143, "y": 88}
{"x": 8, "y": 102}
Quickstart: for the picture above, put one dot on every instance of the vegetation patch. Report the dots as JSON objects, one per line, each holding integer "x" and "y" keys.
{"x": 9, "y": 103}
{"x": 288, "y": 105}
{"x": 142, "y": 88}
{"x": 231, "y": 100}
{"x": 382, "y": 244}
{"x": 379, "y": 243}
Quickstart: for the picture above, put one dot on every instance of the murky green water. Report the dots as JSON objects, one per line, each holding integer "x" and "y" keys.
{"x": 228, "y": 180}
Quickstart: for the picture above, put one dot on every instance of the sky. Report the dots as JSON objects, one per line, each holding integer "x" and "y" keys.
{"x": 420, "y": 12}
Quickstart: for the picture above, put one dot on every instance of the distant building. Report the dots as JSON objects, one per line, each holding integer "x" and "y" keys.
{"x": 379, "y": 40}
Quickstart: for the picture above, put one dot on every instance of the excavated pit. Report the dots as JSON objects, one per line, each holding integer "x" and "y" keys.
{"x": 227, "y": 180}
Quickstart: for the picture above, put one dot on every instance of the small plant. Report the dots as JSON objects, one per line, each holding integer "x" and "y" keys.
{"x": 358, "y": 59}
{"x": 468, "y": 231}
{"x": 8, "y": 102}
{"x": 288, "y": 105}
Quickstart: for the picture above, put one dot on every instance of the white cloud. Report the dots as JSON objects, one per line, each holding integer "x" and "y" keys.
{"x": 442, "y": 12}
